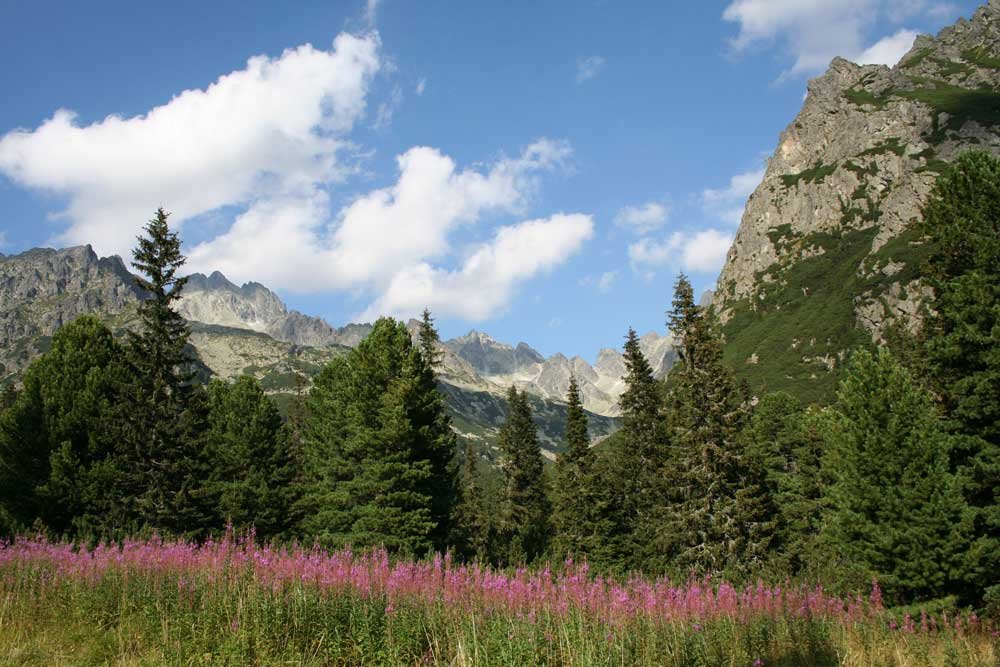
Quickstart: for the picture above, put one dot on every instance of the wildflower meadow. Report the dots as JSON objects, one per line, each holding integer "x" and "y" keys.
{"x": 236, "y": 602}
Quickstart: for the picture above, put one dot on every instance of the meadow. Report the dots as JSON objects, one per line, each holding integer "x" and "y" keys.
{"x": 236, "y": 602}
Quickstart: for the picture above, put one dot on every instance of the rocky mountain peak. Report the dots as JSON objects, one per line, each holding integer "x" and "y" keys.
{"x": 826, "y": 254}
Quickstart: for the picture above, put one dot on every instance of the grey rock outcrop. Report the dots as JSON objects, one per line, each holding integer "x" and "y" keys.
{"x": 848, "y": 179}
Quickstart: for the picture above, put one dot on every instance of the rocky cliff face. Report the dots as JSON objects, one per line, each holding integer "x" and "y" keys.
{"x": 215, "y": 300}
{"x": 42, "y": 289}
{"x": 826, "y": 255}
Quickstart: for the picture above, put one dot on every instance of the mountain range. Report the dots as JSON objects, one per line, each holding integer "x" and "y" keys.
{"x": 827, "y": 258}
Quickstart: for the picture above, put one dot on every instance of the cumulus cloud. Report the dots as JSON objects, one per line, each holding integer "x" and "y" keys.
{"x": 276, "y": 127}
{"x": 727, "y": 204}
{"x": 888, "y": 50}
{"x": 421, "y": 86}
{"x": 483, "y": 285}
{"x": 642, "y": 219}
{"x": 266, "y": 145}
{"x": 386, "y": 237}
{"x": 589, "y": 67}
{"x": 813, "y": 32}
{"x": 703, "y": 251}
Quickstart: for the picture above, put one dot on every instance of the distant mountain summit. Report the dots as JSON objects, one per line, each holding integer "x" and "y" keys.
{"x": 215, "y": 300}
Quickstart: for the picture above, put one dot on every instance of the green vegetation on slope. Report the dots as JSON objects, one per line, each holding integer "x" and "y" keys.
{"x": 807, "y": 312}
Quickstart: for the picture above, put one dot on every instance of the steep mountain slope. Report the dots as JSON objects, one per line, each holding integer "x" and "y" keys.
{"x": 826, "y": 255}
{"x": 235, "y": 331}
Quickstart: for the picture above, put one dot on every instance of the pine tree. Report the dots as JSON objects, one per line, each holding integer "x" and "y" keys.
{"x": 429, "y": 340}
{"x": 438, "y": 443}
{"x": 471, "y": 533}
{"x": 639, "y": 461}
{"x": 574, "y": 523}
{"x": 57, "y": 448}
{"x": 894, "y": 509}
{"x": 713, "y": 518}
{"x": 525, "y": 525}
{"x": 165, "y": 413}
{"x": 251, "y": 466}
{"x": 962, "y": 334}
{"x": 783, "y": 445}
{"x": 373, "y": 449}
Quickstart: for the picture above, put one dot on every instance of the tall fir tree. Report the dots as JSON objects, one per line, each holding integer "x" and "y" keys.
{"x": 375, "y": 447}
{"x": 525, "y": 527}
{"x": 165, "y": 413}
{"x": 251, "y": 469}
{"x": 574, "y": 493}
{"x": 642, "y": 453}
{"x": 962, "y": 334}
{"x": 471, "y": 533}
{"x": 894, "y": 511}
{"x": 438, "y": 443}
{"x": 784, "y": 444}
{"x": 713, "y": 516}
{"x": 58, "y": 454}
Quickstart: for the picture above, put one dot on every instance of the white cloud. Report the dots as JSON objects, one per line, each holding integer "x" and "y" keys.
{"x": 483, "y": 286}
{"x": 727, "y": 204}
{"x": 421, "y": 86}
{"x": 272, "y": 129}
{"x": 602, "y": 283}
{"x": 642, "y": 219}
{"x": 371, "y": 12}
{"x": 386, "y": 109}
{"x": 703, "y": 251}
{"x": 813, "y": 32}
{"x": 589, "y": 67}
{"x": 381, "y": 238}
{"x": 888, "y": 50}
{"x": 269, "y": 142}
{"x": 555, "y": 323}
{"x": 3, "y": 239}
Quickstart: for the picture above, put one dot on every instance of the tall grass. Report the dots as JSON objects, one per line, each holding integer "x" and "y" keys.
{"x": 235, "y": 602}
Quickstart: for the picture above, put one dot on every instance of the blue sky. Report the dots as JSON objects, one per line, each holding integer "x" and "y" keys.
{"x": 540, "y": 171}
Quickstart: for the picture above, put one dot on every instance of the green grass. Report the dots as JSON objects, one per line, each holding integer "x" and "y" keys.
{"x": 137, "y": 619}
{"x": 982, "y": 58}
{"x": 821, "y": 319}
{"x": 861, "y": 97}
{"x": 813, "y": 175}
{"x": 961, "y": 104}
{"x": 889, "y": 146}
{"x": 917, "y": 58}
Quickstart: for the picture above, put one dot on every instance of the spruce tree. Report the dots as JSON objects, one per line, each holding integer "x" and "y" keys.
{"x": 640, "y": 459}
{"x": 713, "y": 517}
{"x": 165, "y": 412}
{"x": 251, "y": 467}
{"x": 471, "y": 525}
{"x": 437, "y": 443}
{"x": 58, "y": 460}
{"x": 962, "y": 334}
{"x": 574, "y": 502}
{"x": 784, "y": 444}
{"x": 373, "y": 449}
{"x": 894, "y": 511}
{"x": 525, "y": 526}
